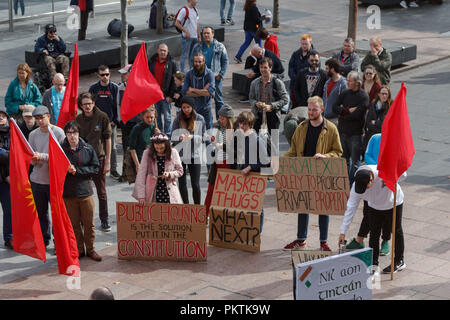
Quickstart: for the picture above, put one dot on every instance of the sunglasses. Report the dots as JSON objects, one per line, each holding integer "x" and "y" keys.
{"x": 369, "y": 73}
{"x": 104, "y": 75}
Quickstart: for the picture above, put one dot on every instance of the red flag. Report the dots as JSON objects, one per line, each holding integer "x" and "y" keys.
{"x": 65, "y": 241}
{"x": 68, "y": 110}
{"x": 397, "y": 147}
{"x": 142, "y": 89}
{"x": 27, "y": 234}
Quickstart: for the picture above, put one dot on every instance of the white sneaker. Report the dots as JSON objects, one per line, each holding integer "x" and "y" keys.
{"x": 413, "y": 4}
{"x": 403, "y": 4}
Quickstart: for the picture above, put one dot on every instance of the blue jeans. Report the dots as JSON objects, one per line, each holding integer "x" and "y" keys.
{"x": 5, "y": 199}
{"x": 41, "y": 195}
{"x": 302, "y": 227}
{"x": 230, "y": 10}
{"x": 164, "y": 108}
{"x": 351, "y": 146}
{"x": 206, "y": 112}
{"x": 218, "y": 97}
{"x": 16, "y": 6}
{"x": 249, "y": 36}
{"x": 186, "y": 52}
{"x": 262, "y": 220}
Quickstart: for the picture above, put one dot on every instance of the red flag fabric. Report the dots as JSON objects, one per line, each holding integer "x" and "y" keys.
{"x": 397, "y": 147}
{"x": 142, "y": 89}
{"x": 65, "y": 241}
{"x": 69, "y": 105}
{"x": 27, "y": 234}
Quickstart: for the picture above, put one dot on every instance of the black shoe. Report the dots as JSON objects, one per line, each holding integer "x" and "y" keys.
{"x": 105, "y": 227}
{"x": 238, "y": 60}
{"x": 115, "y": 175}
{"x": 230, "y": 22}
{"x": 9, "y": 244}
{"x": 399, "y": 266}
{"x": 244, "y": 100}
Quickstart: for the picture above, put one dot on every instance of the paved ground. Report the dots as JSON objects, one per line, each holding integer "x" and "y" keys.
{"x": 231, "y": 274}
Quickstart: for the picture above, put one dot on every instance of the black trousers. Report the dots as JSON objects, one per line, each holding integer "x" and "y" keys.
{"x": 194, "y": 172}
{"x": 84, "y": 16}
{"x": 377, "y": 219}
{"x": 364, "y": 228}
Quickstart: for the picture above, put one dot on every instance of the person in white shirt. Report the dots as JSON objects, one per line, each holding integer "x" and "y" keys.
{"x": 370, "y": 187}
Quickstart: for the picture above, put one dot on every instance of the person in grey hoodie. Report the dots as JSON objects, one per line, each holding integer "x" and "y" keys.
{"x": 332, "y": 88}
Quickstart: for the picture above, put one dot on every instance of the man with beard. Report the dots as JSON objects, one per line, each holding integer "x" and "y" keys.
{"x": 318, "y": 138}
{"x": 310, "y": 82}
{"x": 332, "y": 88}
{"x": 199, "y": 83}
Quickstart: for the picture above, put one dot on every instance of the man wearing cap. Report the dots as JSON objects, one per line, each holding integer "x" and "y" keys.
{"x": 39, "y": 178}
{"x": 53, "y": 49}
{"x": 5, "y": 195}
{"x": 371, "y": 188}
{"x": 54, "y": 96}
{"x": 29, "y": 123}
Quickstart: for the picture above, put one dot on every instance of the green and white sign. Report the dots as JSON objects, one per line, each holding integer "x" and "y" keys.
{"x": 340, "y": 277}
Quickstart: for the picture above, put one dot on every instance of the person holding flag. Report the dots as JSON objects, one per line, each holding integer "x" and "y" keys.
{"x": 5, "y": 196}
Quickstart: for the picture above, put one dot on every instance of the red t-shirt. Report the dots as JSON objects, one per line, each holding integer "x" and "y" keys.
{"x": 272, "y": 45}
{"x": 159, "y": 71}
{"x": 330, "y": 87}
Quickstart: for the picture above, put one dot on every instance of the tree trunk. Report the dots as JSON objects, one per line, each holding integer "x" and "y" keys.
{"x": 124, "y": 34}
{"x": 159, "y": 17}
{"x": 276, "y": 14}
{"x": 352, "y": 19}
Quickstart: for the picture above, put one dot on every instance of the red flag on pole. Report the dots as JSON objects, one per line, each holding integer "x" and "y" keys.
{"x": 397, "y": 147}
{"x": 25, "y": 221}
{"x": 65, "y": 241}
{"x": 68, "y": 110}
{"x": 142, "y": 89}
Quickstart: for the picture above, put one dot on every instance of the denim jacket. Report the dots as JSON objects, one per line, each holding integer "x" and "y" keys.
{"x": 329, "y": 101}
{"x": 219, "y": 64}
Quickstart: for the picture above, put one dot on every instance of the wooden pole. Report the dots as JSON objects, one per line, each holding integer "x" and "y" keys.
{"x": 159, "y": 17}
{"x": 124, "y": 34}
{"x": 393, "y": 232}
{"x": 276, "y": 14}
{"x": 11, "y": 17}
{"x": 352, "y": 19}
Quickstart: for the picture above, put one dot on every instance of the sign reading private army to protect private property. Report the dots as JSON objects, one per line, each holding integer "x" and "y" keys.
{"x": 340, "y": 277}
{"x": 161, "y": 231}
{"x": 308, "y": 185}
{"x": 235, "y": 210}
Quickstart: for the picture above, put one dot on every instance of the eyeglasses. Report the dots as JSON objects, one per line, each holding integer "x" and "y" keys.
{"x": 314, "y": 60}
{"x": 369, "y": 73}
{"x": 104, "y": 75}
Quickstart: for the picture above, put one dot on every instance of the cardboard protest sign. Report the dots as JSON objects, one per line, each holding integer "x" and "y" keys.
{"x": 345, "y": 276}
{"x": 308, "y": 185}
{"x": 235, "y": 210}
{"x": 301, "y": 256}
{"x": 161, "y": 231}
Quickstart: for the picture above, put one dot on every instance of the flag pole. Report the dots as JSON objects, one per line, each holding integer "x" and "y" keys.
{"x": 393, "y": 232}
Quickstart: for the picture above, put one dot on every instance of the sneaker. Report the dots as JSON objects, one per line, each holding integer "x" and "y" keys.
{"x": 244, "y": 100}
{"x": 413, "y": 4}
{"x": 403, "y": 4}
{"x": 94, "y": 256}
{"x": 238, "y": 60}
{"x": 105, "y": 227}
{"x": 397, "y": 267}
{"x": 230, "y": 22}
{"x": 9, "y": 244}
{"x": 295, "y": 245}
{"x": 355, "y": 245}
{"x": 223, "y": 23}
{"x": 324, "y": 246}
{"x": 115, "y": 175}
{"x": 384, "y": 248}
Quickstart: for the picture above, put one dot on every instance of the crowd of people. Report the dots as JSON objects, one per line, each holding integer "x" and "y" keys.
{"x": 334, "y": 112}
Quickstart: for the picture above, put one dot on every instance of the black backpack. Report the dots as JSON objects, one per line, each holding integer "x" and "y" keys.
{"x": 115, "y": 28}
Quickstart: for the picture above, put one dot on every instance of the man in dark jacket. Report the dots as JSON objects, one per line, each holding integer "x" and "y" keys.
{"x": 53, "y": 48}
{"x": 310, "y": 82}
{"x": 78, "y": 195}
{"x": 163, "y": 68}
{"x": 348, "y": 58}
{"x": 85, "y": 7}
{"x": 5, "y": 196}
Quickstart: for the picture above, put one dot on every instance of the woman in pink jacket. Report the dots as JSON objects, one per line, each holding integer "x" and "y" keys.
{"x": 156, "y": 180}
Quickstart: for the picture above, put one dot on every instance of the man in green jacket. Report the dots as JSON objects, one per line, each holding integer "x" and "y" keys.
{"x": 380, "y": 58}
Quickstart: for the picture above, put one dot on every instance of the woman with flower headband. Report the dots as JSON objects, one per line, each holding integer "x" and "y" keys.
{"x": 156, "y": 180}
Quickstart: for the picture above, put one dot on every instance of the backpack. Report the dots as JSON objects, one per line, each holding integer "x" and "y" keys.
{"x": 115, "y": 28}
{"x": 185, "y": 18}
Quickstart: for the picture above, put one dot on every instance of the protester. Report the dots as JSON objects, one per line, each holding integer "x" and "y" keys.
{"x": 21, "y": 91}
{"x": 39, "y": 178}
{"x": 216, "y": 59}
{"x": 16, "y": 7}
{"x": 141, "y": 133}
{"x": 267, "y": 96}
{"x": 163, "y": 68}
{"x": 348, "y": 58}
{"x": 252, "y": 22}
{"x": 101, "y": 293}
{"x": 351, "y": 106}
{"x": 105, "y": 94}
{"x": 223, "y": 132}
{"x": 318, "y": 138}
{"x": 270, "y": 40}
{"x": 229, "y": 20}
{"x": 187, "y": 22}
{"x": 199, "y": 83}
{"x": 78, "y": 195}
{"x": 156, "y": 180}
{"x": 310, "y": 81}
{"x": 370, "y": 187}
{"x": 332, "y": 88}
{"x": 52, "y": 49}
{"x": 5, "y": 195}
{"x": 292, "y": 120}
{"x": 189, "y": 129}
{"x": 95, "y": 129}
{"x": 299, "y": 62}
{"x": 85, "y": 7}
{"x": 371, "y": 82}
{"x": 54, "y": 96}
{"x": 380, "y": 58}
{"x": 177, "y": 96}
{"x": 29, "y": 123}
